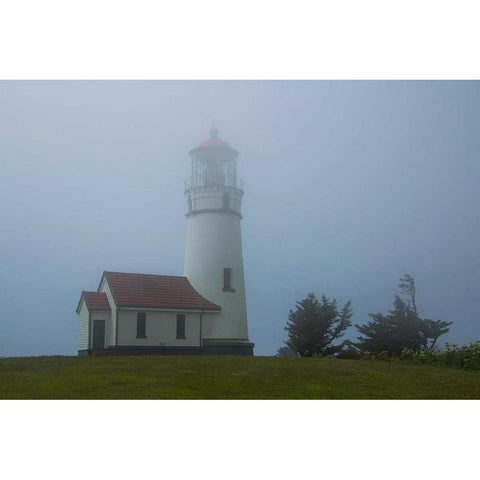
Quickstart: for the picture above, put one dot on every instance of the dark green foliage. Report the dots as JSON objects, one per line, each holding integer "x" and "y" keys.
{"x": 315, "y": 325}
{"x": 432, "y": 330}
{"x": 402, "y": 328}
{"x": 391, "y": 333}
{"x": 349, "y": 351}
{"x": 465, "y": 357}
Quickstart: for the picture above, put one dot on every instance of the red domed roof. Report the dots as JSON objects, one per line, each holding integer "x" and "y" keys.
{"x": 213, "y": 141}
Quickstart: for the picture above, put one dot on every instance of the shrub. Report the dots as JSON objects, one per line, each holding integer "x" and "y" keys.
{"x": 465, "y": 357}
{"x": 350, "y": 353}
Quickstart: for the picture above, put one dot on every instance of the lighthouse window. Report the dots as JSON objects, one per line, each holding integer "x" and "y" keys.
{"x": 180, "y": 326}
{"x": 226, "y": 201}
{"x": 141, "y": 325}
{"x": 227, "y": 279}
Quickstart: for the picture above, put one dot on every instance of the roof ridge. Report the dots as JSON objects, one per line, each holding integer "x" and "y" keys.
{"x": 150, "y": 274}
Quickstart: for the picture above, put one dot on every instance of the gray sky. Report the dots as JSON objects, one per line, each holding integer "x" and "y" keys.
{"x": 348, "y": 185}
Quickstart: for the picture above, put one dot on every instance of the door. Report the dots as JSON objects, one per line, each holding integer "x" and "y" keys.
{"x": 98, "y": 335}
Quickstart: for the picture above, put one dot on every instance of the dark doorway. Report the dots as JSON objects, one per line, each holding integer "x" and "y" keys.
{"x": 98, "y": 335}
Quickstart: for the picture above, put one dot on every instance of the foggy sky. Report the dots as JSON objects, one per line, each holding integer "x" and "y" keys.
{"x": 348, "y": 185}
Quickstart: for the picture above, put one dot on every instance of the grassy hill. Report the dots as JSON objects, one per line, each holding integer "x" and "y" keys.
{"x": 226, "y": 377}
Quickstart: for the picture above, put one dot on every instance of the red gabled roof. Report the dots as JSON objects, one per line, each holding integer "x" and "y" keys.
{"x": 155, "y": 291}
{"x": 95, "y": 301}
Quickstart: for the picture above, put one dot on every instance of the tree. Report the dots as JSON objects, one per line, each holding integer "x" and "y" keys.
{"x": 407, "y": 288}
{"x": 430, "y": 330}
{"x": 391, "y": 333}
{"x": 315, "y": 325}
{"x": 402, "y": 327}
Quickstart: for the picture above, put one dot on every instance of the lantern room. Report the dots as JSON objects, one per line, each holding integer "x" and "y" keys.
{"x": 214, "y": 164}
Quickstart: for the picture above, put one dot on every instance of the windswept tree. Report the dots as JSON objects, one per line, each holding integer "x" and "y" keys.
{"x": 430, "y": 330}
{"x": 407, "y": 289}
{"x": 391, "y": 333}
{"x": 315, "y": 326}
{"x": 402, "y": 327}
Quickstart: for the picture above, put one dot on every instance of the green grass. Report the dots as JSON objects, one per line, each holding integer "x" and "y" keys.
{"x": 226, "y": 377}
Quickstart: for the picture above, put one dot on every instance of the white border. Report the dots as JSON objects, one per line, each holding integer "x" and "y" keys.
{"x": 251, "y": 39}
{"x": 238, "y": 40}
{"x": 238, "y": 439}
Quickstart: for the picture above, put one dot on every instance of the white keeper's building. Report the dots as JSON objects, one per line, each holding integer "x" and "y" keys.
{"x": 202, "y": 312}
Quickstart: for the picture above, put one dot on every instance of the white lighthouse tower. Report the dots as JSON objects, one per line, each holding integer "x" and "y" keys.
{"x": 213, "y": 254}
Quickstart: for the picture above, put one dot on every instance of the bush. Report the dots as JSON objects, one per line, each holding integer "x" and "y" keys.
{"x": 465, "y": 357}
{"x": 350, "y": 353}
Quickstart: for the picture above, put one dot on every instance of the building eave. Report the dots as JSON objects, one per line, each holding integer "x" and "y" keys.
{"x": 171, "y": 309}
{"x": 80, "y": 302}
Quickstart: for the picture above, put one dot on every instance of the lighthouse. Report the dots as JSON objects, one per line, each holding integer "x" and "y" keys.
{"x": 213, "y": 253}
{"x": 202, "y": 312}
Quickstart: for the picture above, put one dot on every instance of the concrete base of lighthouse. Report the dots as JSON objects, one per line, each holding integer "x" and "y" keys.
{"x": 227, "y": 346}
{"x": 211, "y": 346}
